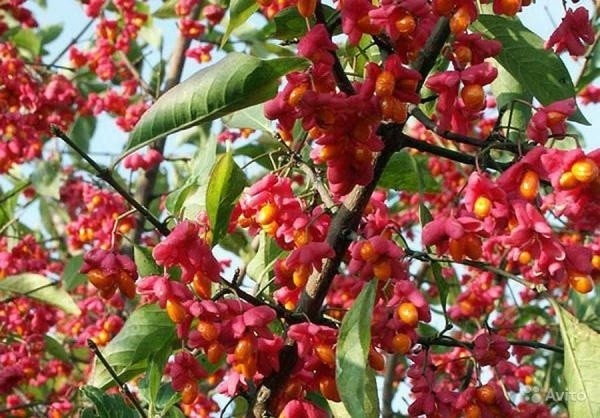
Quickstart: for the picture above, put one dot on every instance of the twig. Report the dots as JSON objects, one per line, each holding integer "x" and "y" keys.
{"x": 107, "y": 176}
{"x": 72, "y": 42}
{"x": 21, "y": 406}
{"x": 343, "y": 225}
{"x": 341, "y": 79}
{"x": 388, "y": 386}
{"x": 112, "y": 373}
{"x": 147, "y": 181}
{"x": 432, "y": 126}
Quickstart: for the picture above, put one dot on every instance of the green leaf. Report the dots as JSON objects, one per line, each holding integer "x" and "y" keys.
{"x": 147, "y": 331}
{"x": 239, "y": 12}
{"x": 225, "y": 185}
{"x": 289, "y": 24}
{"x": 50, "y": 33}
{"x": 41, "y": 288}
{"x": 400, "y": 174}
{"x": 355, "y": 381}
{"x": 152, "y": 35}
{"x": 510, "y": 94}
{"x": 190, "y": 198}
{"x": 71, "y": 277}
{"x": 166, "y": 10}
{"x": 581, "y": 365}
{"x": 8, "y": 203}
{"x": 236, "y": 82}
{"x": 144, "y": 261}
{"x": 56, "y": 349}
{"x": 28, "y": 40}
{"x": 591, "y": 69}
{"x": 108, "y": 406}
{"x": 47, "y": 179}
{"x": 523, "y": 55}
{"x": 260, "y": 268}
{"x": 252, "y": 117}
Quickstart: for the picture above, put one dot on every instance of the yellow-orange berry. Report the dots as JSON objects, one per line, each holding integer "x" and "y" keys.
{"x": 585, "y": 170}
{"x": 408, "y": 313}
{"x": 406, "y": 24}
{"x": 189, "y": 393}
{"x": 99, "y": 279}
{"x": 473, "y": 97}
{"x": 244, "y": 349}
{"x": 472, "y": 411}
{"x": 376, "y": 360}
{"x": 384, "y": 85}
{"x": 401, "y": 343}
{"x": 596, "y": 261}
{"x": 486, "y": 394}
{"x": 175, "y": 310}
{"x": 300, "y": 276}
{"x": 525, "y": 257}
{"x": 214, "y": 353}
{"x": 328, "y": 388}
{"x": 267, "y": 214}
{"x": 126, "y": 284}
{"x": 509, "y": 7}
{"x": 367, "y": 252}
{"x": 460, "y": 20}
{"x": 382, "y": 269}
{"x": 568, "y": 181}
{"x": 207, "y": 330}
{"x": 482, "y": 207}
{"x": 581, "y": 283}
{"x": 326, "y": 354}
{"x": 442, "y": 7}
{"x": 296, "y": 94}
{"x": 306, "y": 8}
{"x": 529, "y": 185}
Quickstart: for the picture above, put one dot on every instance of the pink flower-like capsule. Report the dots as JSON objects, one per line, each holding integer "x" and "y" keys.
{"x": 184, "y": 247}
{"x": 489, "y": 349}
{"x": 297, "y": 408}
{"x": 552, "y": 117}
{"x": 573, "y": 33}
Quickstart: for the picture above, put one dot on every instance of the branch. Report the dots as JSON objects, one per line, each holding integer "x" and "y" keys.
{"x": 341, "y": 78}
{"x": 432, "y": 126}
{"x": 146, "y": 182}
{"x": 445, "y": 341}
{"x": 107, "y": 176}
{"x": 72, "y": 42}
{"x": 388, "y": 386}
{"x": 112, "y": 373}
{"x": 343, "y": 225}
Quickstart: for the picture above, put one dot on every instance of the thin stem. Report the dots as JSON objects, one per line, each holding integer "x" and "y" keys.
{"x": 107, "y": 176}
{"x": 418, "y": 114}
{"x": 388, "y": 386}
{"x": 71, "y": 43}
{"x": 341, "y": 78}
{"x": 173, "y": 73}
{"x": 112, "y": 373}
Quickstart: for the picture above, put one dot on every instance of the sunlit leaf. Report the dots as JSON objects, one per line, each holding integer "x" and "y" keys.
{"x": 355, "y": 380}
{"x": 225, "y": 185}
{"x": 108, "y": 406}
{"x": 147, "y": 331}
{"x": 71, "y": 277}
{"x": 581, "y": 365}
{"x": 239, "y": 12}
{"x": 400, "y": 174}
{"x": 236, "y": 82}
{"x": 541, "y": 72}
{"x": 41, "y": 288}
